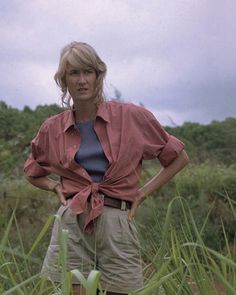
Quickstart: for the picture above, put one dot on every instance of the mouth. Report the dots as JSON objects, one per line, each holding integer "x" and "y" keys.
{"x": 82, "y": 89}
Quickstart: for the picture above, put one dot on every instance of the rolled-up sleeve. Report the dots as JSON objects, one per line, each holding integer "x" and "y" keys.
{"x": 170, "y": 151}
{"x": 36, "y": 162}
{"x": 158, "y": 143}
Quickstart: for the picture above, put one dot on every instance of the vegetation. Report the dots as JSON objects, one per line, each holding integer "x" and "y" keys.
{"x": 180, "y": 264}
{"x": 17, "y": 130}
{"x": 187, "y": 230}
{"x": 215, "y": 142}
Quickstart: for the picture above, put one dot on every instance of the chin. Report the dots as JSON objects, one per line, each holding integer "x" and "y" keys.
{"x": 84, "y": 98}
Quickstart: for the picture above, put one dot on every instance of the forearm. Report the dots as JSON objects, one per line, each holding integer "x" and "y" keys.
{"x": 43, "y": 182}
{"x": 164, "y": 175}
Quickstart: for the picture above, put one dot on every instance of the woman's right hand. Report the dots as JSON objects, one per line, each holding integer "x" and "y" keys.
{"x": 48, "y": 184}
{"x": 57, "y": 190}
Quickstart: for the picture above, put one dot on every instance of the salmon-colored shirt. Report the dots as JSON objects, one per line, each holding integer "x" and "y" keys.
{"x": 128, "y": 134}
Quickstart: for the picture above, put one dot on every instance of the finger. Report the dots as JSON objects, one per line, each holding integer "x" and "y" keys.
{"x": 130, "y": 217}
{"x": 62, "y": 198}
{"x": 60, "y": 195}
{"x": 132, "y": 211}
{"x": 131, "y": 214}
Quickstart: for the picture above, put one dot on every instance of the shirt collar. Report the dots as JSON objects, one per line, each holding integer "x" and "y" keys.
{"x": 70, "y": 120}
{"x": 102, "y": 113}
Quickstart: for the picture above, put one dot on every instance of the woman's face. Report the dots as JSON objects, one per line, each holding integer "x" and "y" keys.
{"x": 81, "y": 83}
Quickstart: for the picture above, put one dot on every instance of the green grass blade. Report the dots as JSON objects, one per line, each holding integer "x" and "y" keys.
{"x": 41, "y": 234}
{"x": 18, "y": 286}
{"x": 7, "y": 230}
{"x": 92, "y": 282}
{"x": 215, "y": 253}
{"x": 80, "y": 277}
{"x": 63, "y": 260}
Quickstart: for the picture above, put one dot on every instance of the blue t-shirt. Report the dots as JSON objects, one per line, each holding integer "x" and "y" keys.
{"x": 90, "y": 154}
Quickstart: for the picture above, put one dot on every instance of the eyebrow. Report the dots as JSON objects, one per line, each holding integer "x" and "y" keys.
{"x": 81, "y": 69}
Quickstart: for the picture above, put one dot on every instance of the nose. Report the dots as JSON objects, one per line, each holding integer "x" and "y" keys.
{"x": 81, "y": 78}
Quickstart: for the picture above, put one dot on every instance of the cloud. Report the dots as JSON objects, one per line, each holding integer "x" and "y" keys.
{"x": 28, "y": 83}
{"x": 177, "y": 57}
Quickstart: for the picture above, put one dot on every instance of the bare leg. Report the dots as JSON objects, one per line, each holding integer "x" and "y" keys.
{"x": 78, "y": 290}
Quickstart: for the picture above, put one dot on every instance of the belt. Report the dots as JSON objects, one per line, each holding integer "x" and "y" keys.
{"x": 116, "y": 203}
{"x": 111, "y": 202}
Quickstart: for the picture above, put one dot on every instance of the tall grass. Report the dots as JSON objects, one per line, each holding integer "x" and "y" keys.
{"x": 188, "y": 247}
{"x": 181, "y": 263}
{"x": 15, "y": 268}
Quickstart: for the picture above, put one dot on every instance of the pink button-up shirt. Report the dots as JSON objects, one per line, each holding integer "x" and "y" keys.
{"x": 128, "y": 134}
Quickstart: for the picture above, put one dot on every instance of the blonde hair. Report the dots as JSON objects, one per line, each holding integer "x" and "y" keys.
{"x": 83, "y": 56}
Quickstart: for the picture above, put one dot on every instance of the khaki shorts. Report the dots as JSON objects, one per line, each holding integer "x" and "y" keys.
{"x": 113, "y": 248}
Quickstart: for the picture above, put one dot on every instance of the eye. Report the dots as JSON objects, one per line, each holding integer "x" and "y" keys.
{"x": 74, "y": 72}
{"x": 88, "y": 72}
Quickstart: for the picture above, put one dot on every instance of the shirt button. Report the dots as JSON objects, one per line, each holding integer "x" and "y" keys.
{"x": 74, "y": 146}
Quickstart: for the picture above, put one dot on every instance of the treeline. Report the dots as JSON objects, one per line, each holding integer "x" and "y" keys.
{"x": 18, "y": 127}
{"x": 215, "y": 142}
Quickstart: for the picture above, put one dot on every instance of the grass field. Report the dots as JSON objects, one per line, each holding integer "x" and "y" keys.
{"x": 187, "y": 236}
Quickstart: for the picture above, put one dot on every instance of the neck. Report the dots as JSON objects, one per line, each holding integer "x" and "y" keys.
{"x": 85, "y": 111}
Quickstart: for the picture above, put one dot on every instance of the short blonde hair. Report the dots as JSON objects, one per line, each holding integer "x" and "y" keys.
{"x": 83, "y": 56}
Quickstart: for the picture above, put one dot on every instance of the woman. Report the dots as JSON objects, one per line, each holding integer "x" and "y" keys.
{"x": 97, "y": 148}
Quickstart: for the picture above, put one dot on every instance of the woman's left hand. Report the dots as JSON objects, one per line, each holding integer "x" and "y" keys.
{"x": 161, "y": 178}
{"x": 134, "y": 206}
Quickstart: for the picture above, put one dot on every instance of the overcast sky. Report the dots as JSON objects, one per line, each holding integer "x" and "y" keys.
{"x": 176, "y": 57}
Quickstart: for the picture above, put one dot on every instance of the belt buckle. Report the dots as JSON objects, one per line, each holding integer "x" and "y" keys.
{"x": 123, "y": 205}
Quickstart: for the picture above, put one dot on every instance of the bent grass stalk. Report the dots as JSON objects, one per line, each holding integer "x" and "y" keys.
{"x": 188, "y": 270}
{"x": 182, "y": 265}
{"x": 12, "y": 282}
